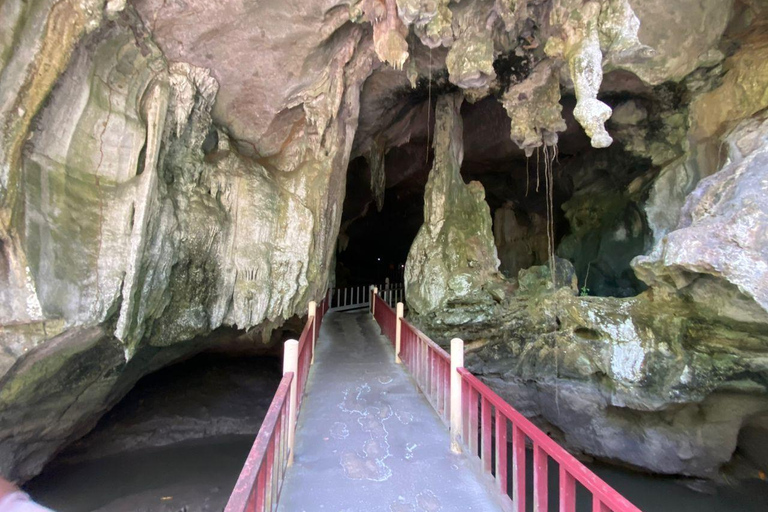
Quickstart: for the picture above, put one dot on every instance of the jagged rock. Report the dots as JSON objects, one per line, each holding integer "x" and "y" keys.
{"x": 138, "y": 225}
{"x": 683, "y": 38}
{"x": 744, "y": 91}
{"x": 172, "y": 170}
{"x": 720, "y": 237}
{"x": 50, "y": 30}
{"x": 470, "y": 59}
{"x": 534, "y": 108}
{"x": 538, "y": 279}
{"x": 453, "y": 255}
{"x": 644, "y": 380}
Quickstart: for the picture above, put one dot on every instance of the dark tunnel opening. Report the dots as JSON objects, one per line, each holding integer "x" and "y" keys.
{"x": 598, "y": 223}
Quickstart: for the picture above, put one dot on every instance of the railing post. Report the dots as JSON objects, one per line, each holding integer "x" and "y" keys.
{"x": 312, "y": 313}
{"x": 373, "y": 300}
{"x": 291, "y": 364}
{"x": 398, "y": 331}
{"x": 457, "y": 361}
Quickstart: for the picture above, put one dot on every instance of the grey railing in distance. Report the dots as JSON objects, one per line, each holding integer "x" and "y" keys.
{"x": 353, "y": 297}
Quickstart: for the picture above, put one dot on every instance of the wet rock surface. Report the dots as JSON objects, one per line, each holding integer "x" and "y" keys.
{"x": 171, "y": 172}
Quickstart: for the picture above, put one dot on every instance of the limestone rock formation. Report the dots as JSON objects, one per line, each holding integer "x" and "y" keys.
{"x": 173, "y": 175}
{"x": 534, "y": 109}
{"x": 143, "y": 228}
{"x": 720, "y": 240}
{"x": 453, "y": 256}
{"x": 646, "y": 380}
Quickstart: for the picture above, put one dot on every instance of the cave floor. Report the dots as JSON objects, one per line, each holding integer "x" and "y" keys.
{"x": 367, "y": 439}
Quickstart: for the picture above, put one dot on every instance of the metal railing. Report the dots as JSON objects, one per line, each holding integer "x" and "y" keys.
{"x": 261, "y": 478}
{"x": 350, "y": 297}
{"x": 428, "y": 363}
{"x": 486, "y": 422}
{"x": 260, "y": 482}
{"x": 480, "y": 422}
{"x": 392, "y": 293}
{"x": 353, "y": 297}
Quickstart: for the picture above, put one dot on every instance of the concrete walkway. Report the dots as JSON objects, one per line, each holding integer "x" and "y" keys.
{"x": 367, "y": 440}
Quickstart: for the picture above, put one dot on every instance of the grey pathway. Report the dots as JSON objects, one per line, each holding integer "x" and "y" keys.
{"x": 367, "y": 439}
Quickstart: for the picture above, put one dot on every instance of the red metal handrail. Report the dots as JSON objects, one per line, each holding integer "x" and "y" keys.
{"x": 485, "y": 422}
{"x": 430, "y": 365}
{"x": 306, "y": 346}
{"x": 479, "y": 444}
{"x": 259, "y": 484}
{"x": 386, "y": 317}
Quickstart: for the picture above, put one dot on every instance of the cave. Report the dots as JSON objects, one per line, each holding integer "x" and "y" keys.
{"x": 180, "y": 436}
{"x": 599, "y": 237}
{"x": 574, "y": 188}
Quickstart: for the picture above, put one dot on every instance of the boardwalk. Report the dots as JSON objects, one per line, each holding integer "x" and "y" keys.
{"x": 367, "y": 439}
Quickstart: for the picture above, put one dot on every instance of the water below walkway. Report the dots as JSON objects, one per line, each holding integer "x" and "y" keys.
{"x": 198, "y": 476}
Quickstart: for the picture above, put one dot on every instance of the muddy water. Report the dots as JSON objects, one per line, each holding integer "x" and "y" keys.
{"x": 658, "y": 494}
{"x": 190, "y": 476}
{"x": 652, "y": 494}
{"x": 199, "y": 475}
{"x": 142, "y": 458}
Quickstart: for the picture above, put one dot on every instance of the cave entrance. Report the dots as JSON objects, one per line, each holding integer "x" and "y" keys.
{"x": 597, "y": 216}
{"x": 374, "y": 244}
{"x": 599, "y": 225}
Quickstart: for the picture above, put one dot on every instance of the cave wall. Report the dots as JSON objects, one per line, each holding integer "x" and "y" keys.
{"x": 169, "y": 172}
{"x": 139, "y": 226}
{"x": 666, "y": 379}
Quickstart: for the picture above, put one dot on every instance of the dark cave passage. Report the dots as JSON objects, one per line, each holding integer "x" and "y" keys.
{"x": 178, "y": 438}
{"x": 598, "y": 223}
{"x": 373, "y": 245}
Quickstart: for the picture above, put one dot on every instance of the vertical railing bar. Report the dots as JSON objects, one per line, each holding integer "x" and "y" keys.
{"x": 465, "y": 390}
{"x": 501, "y": 452}
{"x": 260, "y": 490}
{"x": 485, "y": 432}
{"x": 518, "y": 467}
{"x": 473, "y": 427}
{"x": 269, "y": 471}
{"x": 567, "y": 491}
{"x": 540, "y": 479}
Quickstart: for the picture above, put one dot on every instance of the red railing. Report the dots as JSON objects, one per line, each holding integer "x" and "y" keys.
{"x": 260, "y": 481}
{"x": 430, "y": 365}
{"x": 487, "y": 418}
{"x": 306, "y": 351}
{"x": 385, "y": 316}
{"x": 259, "y": 484}
{"x": 485, "y": 423}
